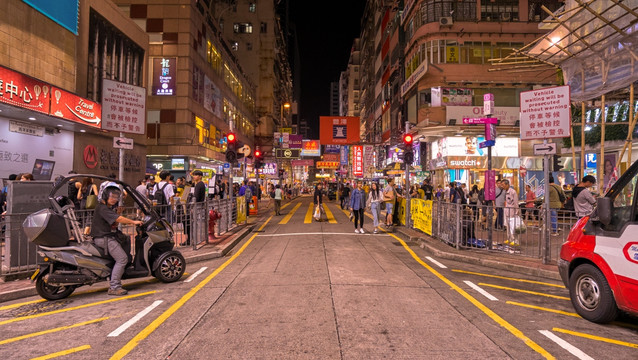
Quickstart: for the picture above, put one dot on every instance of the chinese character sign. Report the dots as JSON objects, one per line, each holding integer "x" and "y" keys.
{"x": 123, "y": 107}
{"x": 357, "y": 162}
{"x": 545, "y": 113}
{"x": 77, "y": 109}
{"x": 311, "y": 148}
{"x": 339, "y": 130}
{"x": 344, "y": 154}
{"x": 164, "y": 70}
{"x": 368, "y": 157}
{"x": 20, "y": 90}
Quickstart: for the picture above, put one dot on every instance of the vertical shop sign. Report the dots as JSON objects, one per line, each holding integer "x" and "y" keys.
{"x": 344, "y": 154}
{"x": 357, "y": 162}
{"x": 164, "y": 80}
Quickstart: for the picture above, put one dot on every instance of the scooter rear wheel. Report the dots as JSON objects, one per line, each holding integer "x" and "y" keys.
{"x": 51, "y": 292}
{"x": 171, "y": 267}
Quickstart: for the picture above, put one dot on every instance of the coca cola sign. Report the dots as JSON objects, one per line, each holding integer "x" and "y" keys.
{"x": 69, "y": 106}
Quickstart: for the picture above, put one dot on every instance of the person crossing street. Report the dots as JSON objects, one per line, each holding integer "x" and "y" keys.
{"x": 358, "y": 204}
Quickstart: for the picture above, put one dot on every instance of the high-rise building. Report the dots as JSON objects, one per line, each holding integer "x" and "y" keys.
{"x": 349, "y": 84}
{"x": 334, "y": 98}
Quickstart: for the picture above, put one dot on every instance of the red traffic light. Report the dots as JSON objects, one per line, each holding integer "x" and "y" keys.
{"x": 231, "y": 138}
{"x": 257, "y": 153}
{"x": 407, "y": 139}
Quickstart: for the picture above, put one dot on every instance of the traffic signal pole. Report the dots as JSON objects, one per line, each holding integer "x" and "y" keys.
{"x": 407, "y": 182}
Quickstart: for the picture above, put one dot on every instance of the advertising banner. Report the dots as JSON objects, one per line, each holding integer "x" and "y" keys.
{"x": 287, "y": 153}
{"x": 468, "y": 146}
{"x": 69, "y": 106}
{"x": 339, "y": 130}
{"x": 304, "y": 162}
{"x": 212, "y": 97}
{"x": 164, "y": 79}
{"x": 421, "y": 213}
{"x": 327, "y": 164}
{"x": 442, "y": 96}
{"x": 295, "y": 141}
{"x": 124, "y": 107}
{"x": 332, "y": 149}
{"x": 332, "y": 157}
{"x": 357, "y": 160}
{"x": 311, "y": 148}
{"x": 368, "y": 159}
{"x": 268, "y": 169}
{"x": 507, "y": 115}
{"x": 344, "y": 155}
{"x": 26, "y": 92}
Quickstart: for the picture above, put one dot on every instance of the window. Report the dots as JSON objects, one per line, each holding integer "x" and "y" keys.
{"x": 249, "y": 46}
{"x": 499, "y": 10}
{"x": 623, "y": 203}
{"x": 252, "y": 7}
{"x": 263, "y": 28}
{"x": 433, "y": 10}
{"x": 243, "y": 28}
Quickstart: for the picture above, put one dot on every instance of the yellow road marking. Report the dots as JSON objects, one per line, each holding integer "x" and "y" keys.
{"x": 148, "y": 330}
{"x": 63, "y": 352}
{"x": 331, "y": 218}
{"x": 525, "y": 291}
{"x": 509, "y": 278}
{"x": 308, "y": 218}
{"x": 286, "y": 205}
{"x": 290, "y": 214}
{"x": 598, "y": 338}
{"x": 499, "y": 320}
{"x": 21, "y": 318}
{"x": 543, "y": 309}
{"x": 18, "y": 338}
{"x": 13, "y": 306}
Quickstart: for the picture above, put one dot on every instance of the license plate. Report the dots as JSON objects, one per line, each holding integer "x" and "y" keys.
{"x": 35, "y": 274}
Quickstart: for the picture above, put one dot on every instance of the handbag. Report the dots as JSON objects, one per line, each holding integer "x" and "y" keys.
{"x": 91, "y": 200}
{"x": 317, "y": 214}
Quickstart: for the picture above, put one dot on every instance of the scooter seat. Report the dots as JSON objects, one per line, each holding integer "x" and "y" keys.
{"x": 85, "y": 248}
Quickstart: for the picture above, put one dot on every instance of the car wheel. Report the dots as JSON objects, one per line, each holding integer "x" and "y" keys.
{"x": 591, "y": 295}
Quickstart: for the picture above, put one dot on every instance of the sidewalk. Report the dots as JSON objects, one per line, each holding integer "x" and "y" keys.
{"x": 502, "y": 261}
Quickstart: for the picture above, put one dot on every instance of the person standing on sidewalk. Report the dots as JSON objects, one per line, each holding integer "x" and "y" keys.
{"x": 375, "y": 200}
{"x": 510, "y": 211}
{"x": 583, "y": 200}
{"x": 277, "y": 197}
{"x": 427, "y": 189}
{"x": 389, "y": 197}
{"x": 556, "y": 200}
{"x": 197, "y": 196}
{"x": 500, "y": 204}
{"x": 358, "y": 204}
{"x": 530, "y": 199}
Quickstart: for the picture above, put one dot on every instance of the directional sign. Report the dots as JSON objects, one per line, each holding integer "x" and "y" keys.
{"x": 122, "y": 143}
{"x": 545, "y": 149}
{"x": 479, "y": 121}
{"x": 487, "y": 143}
{"x": 226, "y": 165}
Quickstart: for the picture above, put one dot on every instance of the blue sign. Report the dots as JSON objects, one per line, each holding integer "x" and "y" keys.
{"x": 226, "y": 165}
{"x": 63, "y": 12}
{"x": 332, "y": 149}
{"x": 487, "y": 143}
{"x": 345, "y": 151}
{"x": 590, "y": 160}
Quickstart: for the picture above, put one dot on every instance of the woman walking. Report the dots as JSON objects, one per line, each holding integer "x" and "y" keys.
{"x": 357, "y": 205}
{"x": 277, "y": 198}
{"x": 318, "y": 201}
{"x": 375, "y": 201}
{"x": 88, "y": 188}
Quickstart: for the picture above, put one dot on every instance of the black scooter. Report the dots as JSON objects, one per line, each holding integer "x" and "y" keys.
{"x": 68, "y": 258}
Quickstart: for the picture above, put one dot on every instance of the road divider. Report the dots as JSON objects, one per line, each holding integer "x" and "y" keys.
{"x": 50, "y": 331}
{"x": 135, "y": 319}
{"x": 565, "y": 345}
{"x": 525, "y": 291}
{"x": 480, "y": 290}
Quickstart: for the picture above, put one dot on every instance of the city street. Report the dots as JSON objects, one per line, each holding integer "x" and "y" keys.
{"x": 295, "y": 288}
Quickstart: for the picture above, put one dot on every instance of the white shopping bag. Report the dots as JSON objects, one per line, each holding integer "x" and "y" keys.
{"x": 317, "y": 214}
{"x": 516, "y": 225}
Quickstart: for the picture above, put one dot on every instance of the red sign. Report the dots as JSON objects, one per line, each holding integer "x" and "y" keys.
{"x": 327, "y": 164}
{"x": 339, "y": 130}
{"x": 305, "y": 162}
{"x": 90, "y": 156}
{"x": 69, "y": 106}
{"x": 357, "y": 152}
{"x": 20, "y": 90}
{"x": 331, "y": 157}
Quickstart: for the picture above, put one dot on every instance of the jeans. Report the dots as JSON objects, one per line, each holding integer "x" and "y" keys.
{"x": 499, "y": 218}
{"x": 554, "y": 219}
{"x": 376, "y": 212}
{"x": 358, "y": 217}
{"x": 118, "y": 254}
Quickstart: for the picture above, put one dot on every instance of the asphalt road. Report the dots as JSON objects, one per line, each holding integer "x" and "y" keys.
{"x": 298, "y": 289}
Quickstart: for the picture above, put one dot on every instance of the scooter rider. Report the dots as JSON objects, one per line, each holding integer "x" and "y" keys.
{"x": 104, "y": 233}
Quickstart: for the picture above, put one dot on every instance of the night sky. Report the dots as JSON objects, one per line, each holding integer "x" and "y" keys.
{"x": 326, "y": 30}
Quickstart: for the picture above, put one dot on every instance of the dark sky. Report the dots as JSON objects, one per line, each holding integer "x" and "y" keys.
{"x": 326, "y": 30}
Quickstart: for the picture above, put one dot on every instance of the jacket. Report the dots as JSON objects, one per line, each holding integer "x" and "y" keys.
{"x": 358, "y": 199}
{"x": 554, "y": 198}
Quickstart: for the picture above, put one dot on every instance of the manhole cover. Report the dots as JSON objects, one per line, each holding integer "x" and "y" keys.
{"x": 38, "y": 308}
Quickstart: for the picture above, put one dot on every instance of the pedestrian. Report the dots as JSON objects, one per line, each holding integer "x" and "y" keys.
{"x": 357, "y": 204}
{"x": 427, "y": 189}
{"x": 246, "y": 192}
{"x": 277, "y": 196}
{"x": 530, "y": 202}
{"x": 194, "y": 205}
{"x": 474, "y": 202}
{"x": 500, "y": 205}
{"x": 87, "y": 189}
{"x": 150, "y": 186}
{"x": 345, "y": 200}
{"x": 389, "y": 197}
{"x": 26, "y": 177}
{"x": 583, "y": 200}
{"x": 440, "y": 193}
{"x": 141, "y": 189}
{"x": 318, "y": 201}
{"x": 162, "y": 196}
{"x": 510, "y": 211}
{"x": 375, "y": 200}
{"x": 556, "y": 200}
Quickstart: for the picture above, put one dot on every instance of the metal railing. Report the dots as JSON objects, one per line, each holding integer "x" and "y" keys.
{"x": 190, "y": 223}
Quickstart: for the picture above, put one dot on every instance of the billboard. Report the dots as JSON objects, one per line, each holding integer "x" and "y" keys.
{"x": 338, "y": 130}
{"x": 468, "y": 146}
{"x": 357, "y": 160}
{"x": 164, "y": 79}
{"x": 69, "y": 106}
{"x": 63, "y": 12}
{"x": 311, "y": 148}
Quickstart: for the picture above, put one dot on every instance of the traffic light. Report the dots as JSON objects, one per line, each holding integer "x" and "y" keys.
{"x": 407, "y": 141}
{"x": 257, "y": 159}
{"x": 231, "y": 154}
{"x": 556, "y": 163}
{"x": 408, "y": 155}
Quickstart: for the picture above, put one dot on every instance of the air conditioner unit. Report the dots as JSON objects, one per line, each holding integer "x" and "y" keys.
{"x": 446, "y": 21}
{"x": 506, "y": 16}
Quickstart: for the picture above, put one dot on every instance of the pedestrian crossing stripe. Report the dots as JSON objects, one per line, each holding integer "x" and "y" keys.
{"x": 308, "y": 218}
{"x": 331, "y": 218}
{"x": 290, "y": 214}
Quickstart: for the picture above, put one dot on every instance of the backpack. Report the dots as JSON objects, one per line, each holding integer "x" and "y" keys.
{"x": 561, "y": 195}
{"x": 159, "y": 196}
{"x": 475, "y": 197}
{"x": 461, "y": 194}
{"x": 248, "y": 194}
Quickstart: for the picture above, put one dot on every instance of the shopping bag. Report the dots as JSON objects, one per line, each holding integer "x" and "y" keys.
{"x": 516, "y": 225}
{"x": 317, "y": 214}
{"x": 351, "y": 215}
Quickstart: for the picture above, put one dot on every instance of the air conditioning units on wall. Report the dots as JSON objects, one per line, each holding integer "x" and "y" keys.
{"x": 506, "y": 16}
{"x": 446, "y": 21}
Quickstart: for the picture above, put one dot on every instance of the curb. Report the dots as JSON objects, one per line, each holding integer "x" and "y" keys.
{"x": 476, "y": 260}
{"x": 220, "y": 252}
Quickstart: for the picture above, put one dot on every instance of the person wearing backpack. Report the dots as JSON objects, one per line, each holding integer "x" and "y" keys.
{"x": 556, "y": 201}
{"x": 162, "y": 195}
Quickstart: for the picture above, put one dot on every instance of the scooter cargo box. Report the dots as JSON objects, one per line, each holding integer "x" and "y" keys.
{"x": 46, "y": 228}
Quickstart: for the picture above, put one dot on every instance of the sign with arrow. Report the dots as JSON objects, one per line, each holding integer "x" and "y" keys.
{"x": 479, "y": 121}
{"x": 545, "y": 149}
{"x": 123, "y": 143}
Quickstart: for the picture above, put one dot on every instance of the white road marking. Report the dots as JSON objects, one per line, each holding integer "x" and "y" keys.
{"x": 135, "y": 319}
{"x": 565, "y": 345}
{"x": 480, "y": 290}
{"x": 436, "y": 263}
{"x": 192, "y": 277}
{"x": 321, "y": 233}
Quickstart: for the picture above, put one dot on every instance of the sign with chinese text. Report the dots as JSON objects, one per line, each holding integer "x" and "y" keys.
{"x": 327, "y": 164}
{"x": 123, "y": 107}
{"x": 442, "y": 96}
{"x": 20, "y": 90}
{"x": 164, "y": 79}
{"x": 368, "y": 158}
{"x": 69, "y": 106}
{"x": 357, "y": 160}
{"x": 304, "y": 162}
{"x": 421, "y": 212}
{"x": 332, "y": 149}
{"x": 490, "y": 185}
{"x": 287, "y": 130}
{"x": 331, "y": 157}
{"x": 26, "y": 129}
{"x": 339, "y": 130}
{"x": 545, "y": 113}
{"x": 287, "y": 153}
{"x": 295, "y": 141}
{"x": 344, "y": 154}
{"x": 311, "y": 148}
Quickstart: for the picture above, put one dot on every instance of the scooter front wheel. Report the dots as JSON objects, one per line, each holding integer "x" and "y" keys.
{"x": 51, "y": 292}
{"x": 170, "y": 267}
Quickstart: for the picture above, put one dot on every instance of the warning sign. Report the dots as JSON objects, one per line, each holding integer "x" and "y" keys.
{"x": 545, "y": 113}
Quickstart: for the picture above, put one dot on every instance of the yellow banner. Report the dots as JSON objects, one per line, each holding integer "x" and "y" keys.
{"x": 421, "y": 211}
{"x": 241, "y": 209}
{"x": 400, "y": 204}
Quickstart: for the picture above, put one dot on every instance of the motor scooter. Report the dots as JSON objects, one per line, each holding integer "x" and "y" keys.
{"x": 68, "y": 258}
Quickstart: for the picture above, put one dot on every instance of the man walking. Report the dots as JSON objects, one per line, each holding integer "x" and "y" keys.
{"x": 583, "y": 200}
